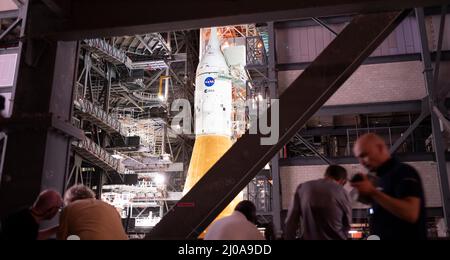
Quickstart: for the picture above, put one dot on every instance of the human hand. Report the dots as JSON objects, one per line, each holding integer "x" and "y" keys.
{"x": 364, "y": 186}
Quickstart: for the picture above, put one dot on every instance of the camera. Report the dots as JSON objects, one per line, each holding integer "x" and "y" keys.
{"x": 355, "y": 194}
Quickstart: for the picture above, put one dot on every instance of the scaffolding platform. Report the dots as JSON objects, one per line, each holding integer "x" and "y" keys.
{"x": 107, "y": 52}
{"x": 98, "y": 156}
{"x": 92, "y": 113}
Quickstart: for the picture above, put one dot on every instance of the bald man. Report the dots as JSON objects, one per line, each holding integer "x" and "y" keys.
{"x": 399, "y": 201}
{"x": 24, "y": 224}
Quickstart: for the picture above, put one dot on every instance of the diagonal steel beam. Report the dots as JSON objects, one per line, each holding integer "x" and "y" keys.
{"x": 324, "y": 25}
{"x": 11, "y": 27}
{"x": 9, "y": 14}
{"x": 424, "y": 115}
{"x": 145, "y": 44}
{"x": 298, "y": 103}
{"x": 314, "y": 150}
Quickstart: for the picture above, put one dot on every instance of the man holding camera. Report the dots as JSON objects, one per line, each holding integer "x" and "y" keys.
{"x": 398, "y": 201}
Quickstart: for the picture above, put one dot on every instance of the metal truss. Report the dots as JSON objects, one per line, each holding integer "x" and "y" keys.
{"x": 95, "y": 154}
{"x": 259, "y": 191}
{"x": 108, "y": 52}
{"x": 16, "y": 23}
{"x": 92, "y": 113}
{"x": 256, "y": 52}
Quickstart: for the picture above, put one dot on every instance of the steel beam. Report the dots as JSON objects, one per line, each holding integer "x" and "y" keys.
{"x": 437, "y": 66}
{"x": 298, "y": 103}
{"x": 309, "y": 161}
{"x": 414, "y": 106}
{"x": 424, "y": 115}
{"x": 101, "y": 18}
{"x": 314, "y": 150}
{"x": 37, "y": 159}
{"x": 11, "y": 27}
{"x": 370, "y": 61}
{"x": 145, "y": 44}
{"x": 438, "y": 140}
{"x": 9, "y": 14}
{"x": 275, "y": 169}
{"x": 324, "y": 25}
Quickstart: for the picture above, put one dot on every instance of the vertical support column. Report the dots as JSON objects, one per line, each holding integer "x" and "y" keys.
{"x": 100, "y": 178}
{"x": 104, "y": 139}
{"x": 166, "y": 97}
{"x": 438, "y": 140}
{"x": 23, "y": 10}
{"x": 37, "y": 155}
{"x": 22, "y": 17}
{"x": 161, "y": 210}
{"x": 275, "y": 169}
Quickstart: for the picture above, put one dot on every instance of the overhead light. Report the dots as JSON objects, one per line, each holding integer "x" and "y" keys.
{"x": 161, "y": 97}
{"x": 117, "y": 156}
{"x": 260, "y": 45}
{"x": 259, "y": 97}
{"x": 159, "y": 179}
{"x": 166, "y": 157}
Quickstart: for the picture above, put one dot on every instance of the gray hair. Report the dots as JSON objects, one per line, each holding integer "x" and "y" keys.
{"x": 78, "y": 192}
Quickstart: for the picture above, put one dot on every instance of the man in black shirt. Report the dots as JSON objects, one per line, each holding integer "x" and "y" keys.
{"x": 24, "y": 224}
{"x": 399, "y": 200}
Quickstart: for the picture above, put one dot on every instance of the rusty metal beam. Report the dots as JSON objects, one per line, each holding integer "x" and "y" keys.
{"x": 297, "y": 104}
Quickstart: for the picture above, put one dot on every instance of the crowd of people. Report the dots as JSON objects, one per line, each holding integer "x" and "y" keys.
{"x": 321, "y": 209}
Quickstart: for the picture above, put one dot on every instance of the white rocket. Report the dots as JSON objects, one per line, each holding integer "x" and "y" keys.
{"x": 213, "y": 93}
{"x": 213, "y": 112}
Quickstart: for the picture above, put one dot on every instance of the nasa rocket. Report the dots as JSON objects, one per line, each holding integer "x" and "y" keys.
{"x": 213, "y": 114}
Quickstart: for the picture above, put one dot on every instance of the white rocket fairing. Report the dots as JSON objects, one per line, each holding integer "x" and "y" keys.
{"x": 213, "y": 114}
{"x": 213, "y": 93}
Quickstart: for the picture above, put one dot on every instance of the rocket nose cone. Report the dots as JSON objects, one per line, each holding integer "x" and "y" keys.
{"x": 213, "y": 59}
{"x": 214, "y": 39}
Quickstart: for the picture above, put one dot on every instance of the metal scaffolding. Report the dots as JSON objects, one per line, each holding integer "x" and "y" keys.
{"x": 95, "y": 154}
{"x": 92, "y": 113}
{"x": 107, "y": 52}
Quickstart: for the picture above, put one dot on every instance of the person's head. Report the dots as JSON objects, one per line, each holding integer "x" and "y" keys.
{"x": 371, "y": 151}
{"x": 248, "y": 209}
{"x": 78, "y": 192}
{"x": 336, "y": 173}
{"x": 47, "y": 205}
